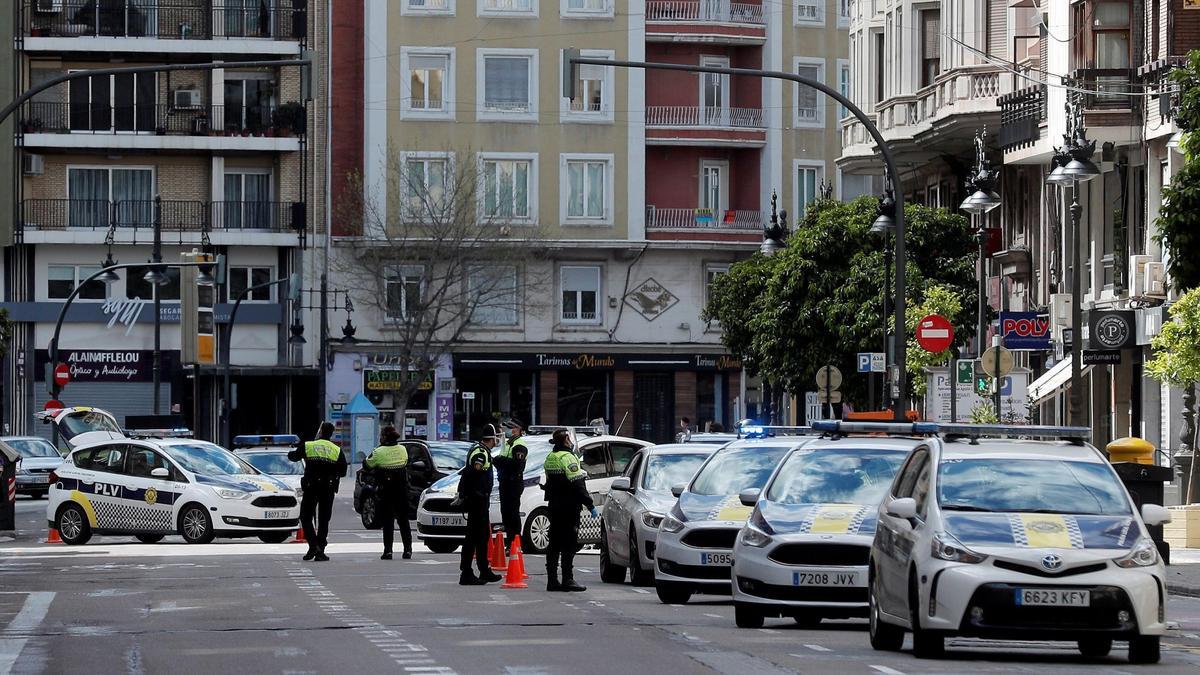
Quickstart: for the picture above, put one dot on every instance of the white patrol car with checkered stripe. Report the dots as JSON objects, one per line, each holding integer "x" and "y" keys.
{"x": 1014, "y": 532}
{"x": 151, "y": 487}
{"x": 803, "y": 553}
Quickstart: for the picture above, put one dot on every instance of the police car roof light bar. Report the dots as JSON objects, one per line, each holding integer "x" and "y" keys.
{"x": 246, "y": 440}
{"x": 842, "y": 427}
{"x": 766, "y": 430}
{"x": 159, "y": 433}
{"x": 594, "y": 430}
{"x": 1077, "y": 435}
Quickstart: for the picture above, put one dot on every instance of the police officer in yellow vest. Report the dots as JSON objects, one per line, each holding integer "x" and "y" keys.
{"x": 510, "y": 478}
{"x": 324, "y": 466}
{"x": 390, "y": 464}
{"x": 566, "y": 491}
{"x": 475, "y": 496}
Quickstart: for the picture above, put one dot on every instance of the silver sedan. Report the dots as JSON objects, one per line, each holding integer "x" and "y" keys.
{"x": 636, "y": 504}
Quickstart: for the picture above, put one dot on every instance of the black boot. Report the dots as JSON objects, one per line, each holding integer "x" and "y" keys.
{"x": 407, "y": 555}
{"x": 468, "y": 578}
{"x": 552, "y": 584}
{"x": 387, "y": 555}
{"x": 312, "y": 553}
{"x": 488, "y": 576}
{"x": 569, "y": 585}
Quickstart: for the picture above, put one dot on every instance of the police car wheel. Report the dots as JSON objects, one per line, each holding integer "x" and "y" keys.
{"x": 670, "y": 593}
{"x": 807, "y": 620}
{"x": 637, "y": 575}
{"x": 884, "y": 636}
{"x": 927, "y": 644}
{"x": 610, "y": 572}
{"x": 746, "y": 616}
{"x": 73, "y": 525}
{"x": 370, "y": 517}
{"x": 439, "y": 546}
{"x": 149, "y": 538}
{"x": 1095, "y": 648}
{"x": 195, "y": 525}
{"x": 274, "y": 537}
{"x": 537, "y": 532}
{"x": 1144, "y": 649}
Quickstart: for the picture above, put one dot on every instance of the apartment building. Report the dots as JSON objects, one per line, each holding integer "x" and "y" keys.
{"x": 640, "y": 191}
{"x": 219, "y": 160}
{"x": 934, "y": 73}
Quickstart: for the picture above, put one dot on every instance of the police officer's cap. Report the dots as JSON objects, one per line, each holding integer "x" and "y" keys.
{"x": 514, "y": 423}
{"x": 490, "y": 431}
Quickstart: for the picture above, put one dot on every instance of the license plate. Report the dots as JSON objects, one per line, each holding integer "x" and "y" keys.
{"x": 1053, "y": 597}
{"x": 450, "y": 521}
{"x": 825, "y": 578}
{"x": 273, "y": 515}
{"x": 40, "y": 480}
{"x": 725, "y": 559}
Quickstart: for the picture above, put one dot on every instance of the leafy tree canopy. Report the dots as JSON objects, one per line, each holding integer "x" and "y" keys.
{"x": 1176, "y": 358}
{"x": 1179, "y": 219}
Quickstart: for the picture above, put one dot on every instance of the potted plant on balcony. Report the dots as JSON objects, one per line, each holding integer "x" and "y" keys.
{"x": 31, "y": 125}
{"x": 289, "y": 119}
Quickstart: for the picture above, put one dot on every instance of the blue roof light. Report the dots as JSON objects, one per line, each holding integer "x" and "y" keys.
{"x": 265, "y": 439}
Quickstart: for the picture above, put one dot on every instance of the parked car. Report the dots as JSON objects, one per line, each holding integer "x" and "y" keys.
{"x": 37, "y": 457}
{"x": 428, "y": 462}
{"x": 269, "y": 454}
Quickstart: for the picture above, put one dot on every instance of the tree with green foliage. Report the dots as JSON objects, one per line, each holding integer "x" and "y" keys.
{"x": 819, "y": 301}
{"x": 1179, "y": 219}
{"x": 941, "y": 300}
{"x": 1176, "y": 359}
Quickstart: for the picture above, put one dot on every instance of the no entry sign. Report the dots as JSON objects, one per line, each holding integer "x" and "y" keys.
{"x": 62, "y": 374}
{"x": 934, "y": 333}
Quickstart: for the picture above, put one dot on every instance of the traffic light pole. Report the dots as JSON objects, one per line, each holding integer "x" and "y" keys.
{"x": 571, "y": 59}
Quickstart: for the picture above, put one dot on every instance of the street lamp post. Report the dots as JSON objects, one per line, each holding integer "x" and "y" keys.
{"x": 982, "y": 200}
{"x": 884, "y": 225}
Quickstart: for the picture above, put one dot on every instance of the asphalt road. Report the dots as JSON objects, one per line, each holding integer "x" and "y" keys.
{"x": 117, "y": 606}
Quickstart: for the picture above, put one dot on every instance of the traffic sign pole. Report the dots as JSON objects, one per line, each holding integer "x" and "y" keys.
{"x": 997, "y": 345}
{"x": 953, "y": 372}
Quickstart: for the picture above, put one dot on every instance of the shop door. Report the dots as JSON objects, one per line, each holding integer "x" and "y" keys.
{"x": 654, "y": 403}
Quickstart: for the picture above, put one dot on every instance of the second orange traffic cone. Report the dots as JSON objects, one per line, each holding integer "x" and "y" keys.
{"x": 300, "y": 536}
{"x": 53, "y": 537}
{"x": 498, "y": 560}
{"x": 516, "y": 569}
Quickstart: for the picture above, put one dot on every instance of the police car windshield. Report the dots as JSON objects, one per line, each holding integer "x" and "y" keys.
{"x": 732, "y": 470}
{"x": 33, "y": 447}
{"x": 274, "y": 463}
{"x": 1030, "y": 486}
{"x": 206, "y": 459}
{"x": 449, "y": 456}
{"x": 839, "y": 475}
{"x": 73, "y": 424}
{"x": 663, "y": 471}
{"x": 539, "y": 448}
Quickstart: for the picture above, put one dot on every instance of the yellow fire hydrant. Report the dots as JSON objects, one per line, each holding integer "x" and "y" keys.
{"x": 1137, "y": 450}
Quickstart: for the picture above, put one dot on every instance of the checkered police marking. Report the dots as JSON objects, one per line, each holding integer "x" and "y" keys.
{"x": 128, "y": 516}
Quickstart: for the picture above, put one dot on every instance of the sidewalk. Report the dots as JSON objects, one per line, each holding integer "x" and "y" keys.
{"x": 1183, "y": 574}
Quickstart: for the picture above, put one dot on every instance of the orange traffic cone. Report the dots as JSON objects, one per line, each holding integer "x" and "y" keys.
{"x": 498, "y": 559}
{"x": 53, "y": 537}
{"x": 299, "y": 536}
{"x": 516, "y": 570}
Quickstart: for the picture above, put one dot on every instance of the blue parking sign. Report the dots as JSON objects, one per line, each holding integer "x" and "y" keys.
{"x": 864, "y": 362}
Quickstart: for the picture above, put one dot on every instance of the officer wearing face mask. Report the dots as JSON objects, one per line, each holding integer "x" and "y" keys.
{"x": 510, "y": 474}
{"x": 566, "y": 491}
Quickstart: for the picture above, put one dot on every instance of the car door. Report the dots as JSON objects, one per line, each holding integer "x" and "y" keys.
{"x": 418, "y": 479}
{"x": 103, "y": 483}
{"x": 896, "y": 537}
{"x": 149, "y": 500}
{"x": 618, "y": 509}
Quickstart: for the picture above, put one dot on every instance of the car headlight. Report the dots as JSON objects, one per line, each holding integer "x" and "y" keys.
{"x": 673, "y": 522}
{"x": 947, "y": 547}
{"x": 432, "y": 490}
{"x": 652, "y": 520}
{"x": 21, "y": 471}
{"x": 226, "y": 493}
{"x": 299, "y": 493}
{"x": 757, "y": 532}
{"x": 1144, "y": 554}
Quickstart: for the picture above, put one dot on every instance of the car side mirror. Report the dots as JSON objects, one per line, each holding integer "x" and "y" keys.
{"x": 621, "y": 484}
{"x": 905, "y": 507}
{"x": 749, "y": 497}
{"x": 419, "y": 465}
{"x": 1155, "y": 514}
{"x": 159, "y": 472}
{"x": 678, "y": 490}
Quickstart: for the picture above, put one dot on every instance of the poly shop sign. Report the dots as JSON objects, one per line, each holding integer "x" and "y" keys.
{"x": 108, "y": 365}
{"x": 1025, "y": 330}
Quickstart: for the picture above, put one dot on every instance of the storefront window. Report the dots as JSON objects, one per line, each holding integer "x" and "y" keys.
{"x": 582, "y": 397}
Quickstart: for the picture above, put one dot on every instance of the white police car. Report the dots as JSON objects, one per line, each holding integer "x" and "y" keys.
{"x": 694, "y": 551}
{"x": 269, "y": 454}
{"x": 803, "y": 553}
{"x": 152, "y": 487}
{"x": 987, "y": 533}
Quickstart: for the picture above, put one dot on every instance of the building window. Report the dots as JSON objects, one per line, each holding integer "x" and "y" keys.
{"x": 427, "y": 89}
{"x": 248, "y": 204}
{"x": 508, "y": 185}
{"x": 586, "y": 186}
{"x": 113, "y": 103}
{"x": 137, "y": 288}
{"x": 580, "y": 293}
{"x": 593, "y": 91}
{"x": 493, "y": 293}
{"x": 425, "y": 177}
{"x": 241, "y": 278}
{"x": 508, "y": 7}
{"x": 404, "y": 284}
{"x": 586, "y": 8}
{"x": 249, "y": 98}
{"x": 843, "y": 85}
{"x": 809, "y": 111}
{"x": 507, "y": 85}
{"x": 1110, "y": 30}
{"x": 843, "y": 12}
{"x": 92, "y": 190}
{"x": 808, "y": 182}
{"x": 711, "y": 272}
{"x": 810, "y": 11}
{"x": 931, "y": 46}
{"x": 428, "y": 7}
{"x": 62, "y": 279}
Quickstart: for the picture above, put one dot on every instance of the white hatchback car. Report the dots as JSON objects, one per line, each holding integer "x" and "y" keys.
{"x": 803, "y": 553}
{"x": 1011, "y": 538}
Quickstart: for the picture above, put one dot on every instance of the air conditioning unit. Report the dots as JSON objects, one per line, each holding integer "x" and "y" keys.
{"x": 1060, "y": 314}
{"x": 1137, "y": 275}
{"x": 187, "y": 98}
{"x": 33, "y": 164}
{"x": 48, "y": 6}
{"x": 1154, "y": 277}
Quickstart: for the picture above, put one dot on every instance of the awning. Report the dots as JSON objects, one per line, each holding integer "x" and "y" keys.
{"x": 1052, "y": 380}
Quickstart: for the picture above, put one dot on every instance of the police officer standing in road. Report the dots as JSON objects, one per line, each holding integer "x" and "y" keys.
{"x": 566, "y": 491}
{"x": 390, "y": 463}
{"x": 475, "y": 495}
{"x": 324, "y": 466}
{"x": 510, "y": 469}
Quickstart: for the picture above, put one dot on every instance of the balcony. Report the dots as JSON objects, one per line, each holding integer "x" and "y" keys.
{"x": 709, "y": 21}
{"x": 162, "y": 126}
{"x": 1021, "y": 116}
{"x": 698, "y": 125}
{"x": 696, "y": 224}
{"x": 1111, "y": 105}
{"x": 61, "y": 215}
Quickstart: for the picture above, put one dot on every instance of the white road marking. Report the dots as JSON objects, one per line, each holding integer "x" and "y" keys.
{"x": 640, "y": 590}
{"x": 886, "y": 671}
{"x": 715, "y": 616}
{"x": 182, "y": 550}
{"x": 818, "y": 648}
{"x": 16, "y": 634}
{"x": 516, "y": 642}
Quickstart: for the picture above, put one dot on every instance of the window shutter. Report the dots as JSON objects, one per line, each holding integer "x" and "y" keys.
{"x": 427, "y": 62}
{"x": 931, "y": 34}
{"x": 997, "y": 29}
